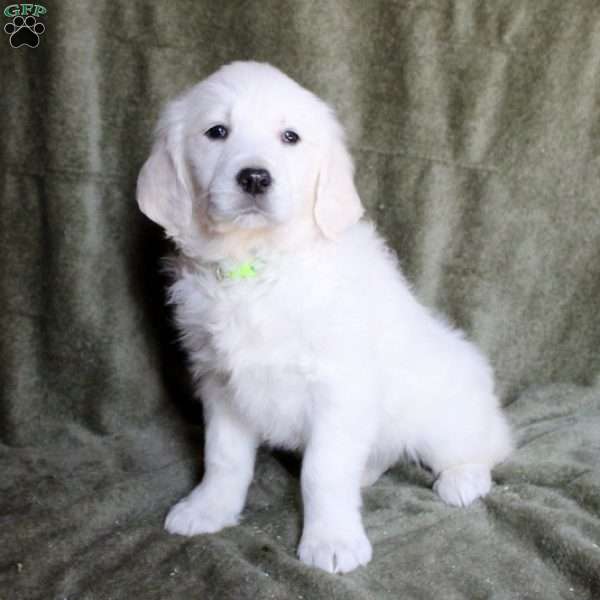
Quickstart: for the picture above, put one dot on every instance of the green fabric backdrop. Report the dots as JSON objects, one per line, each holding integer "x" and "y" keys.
{"x": 475, "y": 126}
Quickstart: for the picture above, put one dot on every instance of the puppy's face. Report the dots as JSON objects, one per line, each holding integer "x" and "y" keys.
{"x": 248, "y": 148}
{"x": 252, "y": 152}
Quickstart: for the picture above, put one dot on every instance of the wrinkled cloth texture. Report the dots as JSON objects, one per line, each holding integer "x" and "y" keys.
{"x": 475, "y": 126}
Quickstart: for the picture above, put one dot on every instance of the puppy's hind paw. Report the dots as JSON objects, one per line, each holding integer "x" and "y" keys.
{"x": 463, "y": 484}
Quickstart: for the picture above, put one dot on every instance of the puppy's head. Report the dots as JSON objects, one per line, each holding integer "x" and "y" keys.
{"x": 248, "y": 149}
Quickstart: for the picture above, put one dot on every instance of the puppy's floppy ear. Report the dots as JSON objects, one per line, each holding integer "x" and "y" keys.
{"x": 337, "y": 205}
{"x": 163, "y": 187}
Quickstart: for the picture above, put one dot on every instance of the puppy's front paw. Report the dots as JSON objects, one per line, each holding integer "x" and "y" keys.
{"x": 463, "y": 484}
{"x": 189, "y": 517}
{"x": 335, "y": 551}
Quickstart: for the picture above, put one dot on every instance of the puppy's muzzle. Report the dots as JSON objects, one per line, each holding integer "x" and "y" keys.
{"x": 254, "y": 181}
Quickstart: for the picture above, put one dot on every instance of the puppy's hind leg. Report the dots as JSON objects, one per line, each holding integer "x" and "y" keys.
{"x": 462, "y": 452}
{"x": 462, "y": 484}
{"x": 463, "y": 468}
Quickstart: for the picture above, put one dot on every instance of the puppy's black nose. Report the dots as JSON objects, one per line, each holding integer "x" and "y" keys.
{"x": 254, "y": 181}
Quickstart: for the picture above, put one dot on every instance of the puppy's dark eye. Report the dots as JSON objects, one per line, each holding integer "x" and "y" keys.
{"x": 290, "y": 137}
{"x": 218, "y": 132}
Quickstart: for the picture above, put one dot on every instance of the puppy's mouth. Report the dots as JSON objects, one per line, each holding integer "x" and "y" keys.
{"x": 252, "y": 210}
{"x": 252, "y": 218}
{"x": 239, "y": 210}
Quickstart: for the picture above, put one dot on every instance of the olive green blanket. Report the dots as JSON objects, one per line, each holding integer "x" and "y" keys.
{"x": 475, "y": 126}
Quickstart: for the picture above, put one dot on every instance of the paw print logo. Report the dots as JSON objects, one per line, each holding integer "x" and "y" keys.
{"x": 24, "y": 31}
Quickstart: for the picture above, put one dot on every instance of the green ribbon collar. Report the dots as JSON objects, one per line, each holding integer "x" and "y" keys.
{"x": 246, "y": 270}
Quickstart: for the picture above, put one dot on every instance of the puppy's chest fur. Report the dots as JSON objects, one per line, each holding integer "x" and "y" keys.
{"x": 255, "y": 336}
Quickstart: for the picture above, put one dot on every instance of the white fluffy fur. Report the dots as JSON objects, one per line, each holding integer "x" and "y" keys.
{"x": 326, "y": 351}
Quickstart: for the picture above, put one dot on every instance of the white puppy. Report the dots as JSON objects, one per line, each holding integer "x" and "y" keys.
{"x": 301, "y": 331}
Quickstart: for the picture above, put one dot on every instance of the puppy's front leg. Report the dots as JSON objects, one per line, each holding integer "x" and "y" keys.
{"x": 333, "y": 536}
{"x": 230, "y": 451}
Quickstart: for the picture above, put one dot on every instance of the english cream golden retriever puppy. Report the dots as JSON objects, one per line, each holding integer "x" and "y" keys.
{"x": 301, "y": 331}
